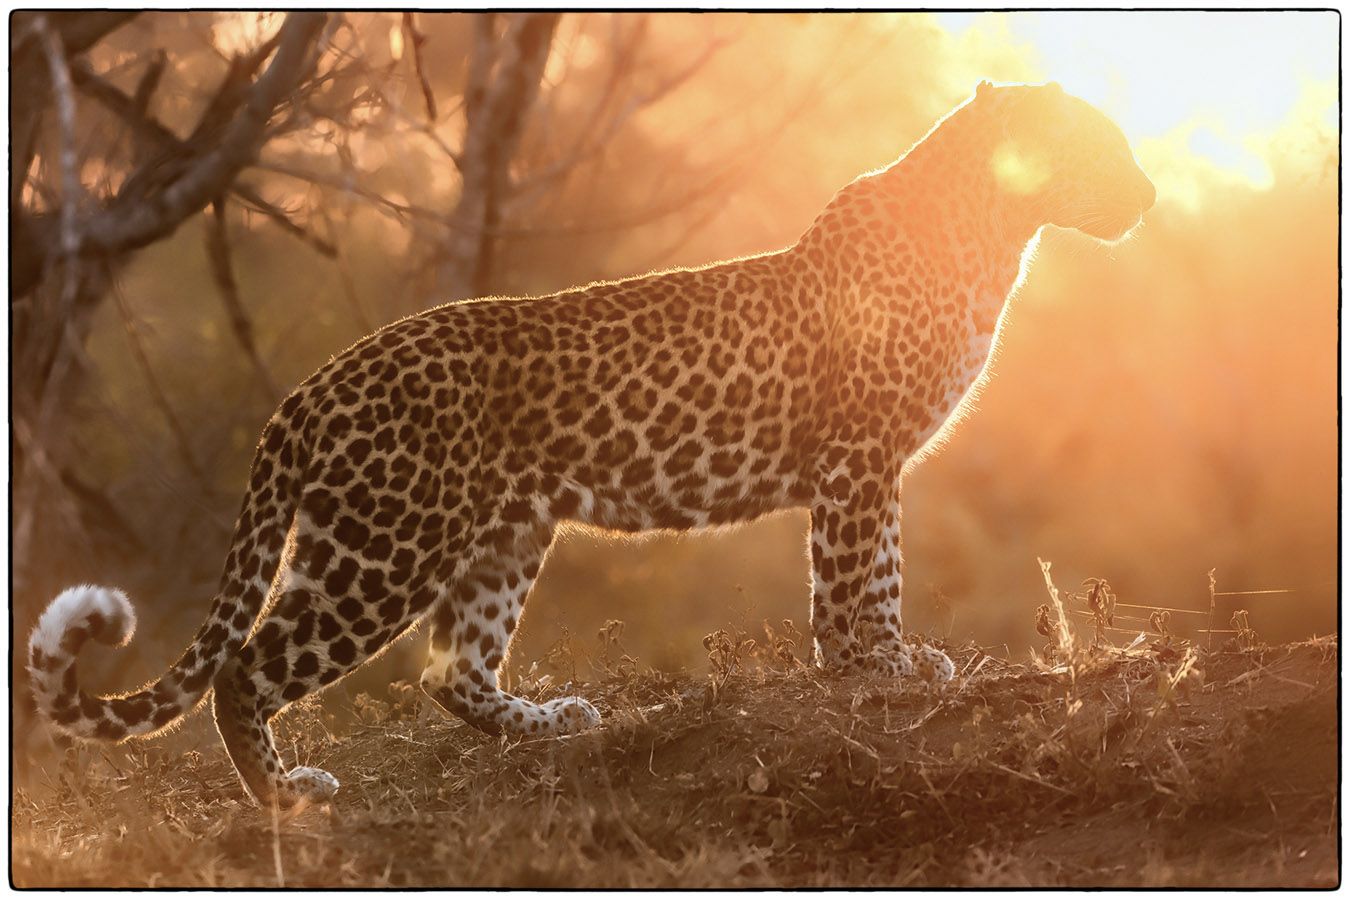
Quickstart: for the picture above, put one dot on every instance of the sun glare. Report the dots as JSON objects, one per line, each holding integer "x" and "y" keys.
{"x": 1223, "y": 77}
{"x": 1016, "y": 172}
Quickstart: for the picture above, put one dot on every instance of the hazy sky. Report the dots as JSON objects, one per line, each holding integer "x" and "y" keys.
{"x": 1240, "y": 73}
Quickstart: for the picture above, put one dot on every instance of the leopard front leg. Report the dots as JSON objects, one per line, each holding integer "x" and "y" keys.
{"x": 855, "y": 557}
{"x": 879, "y": 622}
{"x": 845, "y": 532}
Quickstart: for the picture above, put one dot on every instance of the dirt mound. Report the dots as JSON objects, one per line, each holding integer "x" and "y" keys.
{"x": 1125, "y": 772}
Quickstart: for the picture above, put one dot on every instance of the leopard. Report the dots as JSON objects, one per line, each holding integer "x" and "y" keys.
{"x": 417, "y": 479}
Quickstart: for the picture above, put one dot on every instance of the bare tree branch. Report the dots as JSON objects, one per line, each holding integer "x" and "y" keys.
{"x": 133, "y": 223}
{"x": 348, "y": 281}
{"x": 156, "y": 391}
{"x": 401, "y": 211}
{"x": 96, "y": 501}
{"x": 161, "y": 141}
{"x": 222, "y": 270}
{"x": 233, "y": 89}
{"x": 601, "y": 130}
{"x": 149, "y": 81}
{"x": 121, "y": 228}
{"x": 374, "y": 77}
{"x": 78, "y": 32}
{"x": 417, "y": 39}
{"x": 278, "y": 216}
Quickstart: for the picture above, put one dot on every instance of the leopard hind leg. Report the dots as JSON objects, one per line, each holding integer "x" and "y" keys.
{"x": 472, "y": 627}
{"x": 334, "y": 611}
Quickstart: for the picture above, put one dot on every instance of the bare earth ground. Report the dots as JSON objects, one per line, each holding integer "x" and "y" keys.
{"x": 1117, "y": 770}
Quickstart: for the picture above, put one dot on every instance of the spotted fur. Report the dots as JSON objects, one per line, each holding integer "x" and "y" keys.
{"x": 420, "y": 475}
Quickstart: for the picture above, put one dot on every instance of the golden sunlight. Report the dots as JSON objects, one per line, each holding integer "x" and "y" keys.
{"x": 1220, "y": 78}
{"x": 916, "y": 495}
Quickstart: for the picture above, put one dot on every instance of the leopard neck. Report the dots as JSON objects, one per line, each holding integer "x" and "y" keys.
{"x": 935, "y": 218}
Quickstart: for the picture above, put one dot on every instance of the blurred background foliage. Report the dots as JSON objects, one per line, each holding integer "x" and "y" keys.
{"x": 1158, "y": 409}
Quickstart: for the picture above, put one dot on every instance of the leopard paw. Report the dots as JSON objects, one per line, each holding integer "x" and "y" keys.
{"x": 889, "y": 662}
{"x": 569, "y": 715}
{"x": 309, "y": 785}
{"x": 933, "y": 666}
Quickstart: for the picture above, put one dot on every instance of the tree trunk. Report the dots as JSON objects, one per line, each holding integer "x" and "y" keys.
{"x": 62, "y": 260}
{"x": 504, "y": 77}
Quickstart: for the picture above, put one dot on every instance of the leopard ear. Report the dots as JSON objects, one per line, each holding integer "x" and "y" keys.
{"x": 983, "y": 88}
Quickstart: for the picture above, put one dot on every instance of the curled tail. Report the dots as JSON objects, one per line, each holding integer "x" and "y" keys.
{"x": 106, "y": 615}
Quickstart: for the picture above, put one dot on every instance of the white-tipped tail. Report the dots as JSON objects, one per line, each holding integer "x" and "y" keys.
{"x": 74, "y": 617}
{"x": 104, "y": 613}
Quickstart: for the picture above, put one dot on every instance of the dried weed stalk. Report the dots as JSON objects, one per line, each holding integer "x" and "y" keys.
{"x": 1244, "y": 635}
{"x": 1065, "y": 646}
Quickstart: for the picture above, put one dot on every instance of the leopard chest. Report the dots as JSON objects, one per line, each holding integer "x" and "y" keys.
{"x": 961, "y": 363}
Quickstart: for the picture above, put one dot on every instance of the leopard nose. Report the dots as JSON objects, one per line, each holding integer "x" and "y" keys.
{"x": 1148, "y": 194}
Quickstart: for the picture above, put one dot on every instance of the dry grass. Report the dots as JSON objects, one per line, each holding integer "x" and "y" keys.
{"x": 1103, "y": 769}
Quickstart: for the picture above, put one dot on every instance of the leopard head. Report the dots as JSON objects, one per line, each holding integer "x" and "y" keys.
{"x": 1058, "y": 160}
